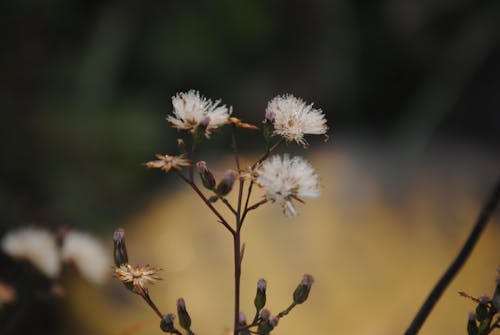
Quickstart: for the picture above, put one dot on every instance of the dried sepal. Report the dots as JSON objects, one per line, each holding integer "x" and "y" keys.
{"x": 167, "y": 162}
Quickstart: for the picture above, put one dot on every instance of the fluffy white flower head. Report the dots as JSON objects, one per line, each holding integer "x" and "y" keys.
{"x": 192, "y": 110}
{"x": 292, "y": 118}
{"x": 87, "y": 254}
{"x": 35, "y": 245}
{"x": 285, "y": 179}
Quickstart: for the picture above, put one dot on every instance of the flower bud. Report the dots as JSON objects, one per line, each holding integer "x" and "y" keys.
{"x": 206, "y": 175}
{"x": 242, "y": 322}
{"x": 265, "y": 314}
{"x": 471, "y": 324}
{"x": 267, "y": 325}
{"x": 120, "y": 249}
{"x": 302, "y": 291}
{"x": 226, "y": 184}
{"x": 482, "y": 308}
{"x": 167, "y": 323}
{"x": 260, "y": 296}
{"x": 184, "y": 318}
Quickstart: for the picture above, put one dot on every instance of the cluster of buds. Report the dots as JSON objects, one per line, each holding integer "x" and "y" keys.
{"x": 264, "y": 321}
{"x": 483, "y": 320}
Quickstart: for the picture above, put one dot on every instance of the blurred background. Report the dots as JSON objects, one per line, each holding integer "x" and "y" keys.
{"x": 411, "y": 90}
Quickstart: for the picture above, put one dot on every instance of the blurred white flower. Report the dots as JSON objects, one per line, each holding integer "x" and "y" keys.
{"x": 285, "y": 179}
{"x": 191, "y": 110}
{"x": 292, "y": 118}
{"x": 87, "y": 254}
{"x": 35, "y": 245}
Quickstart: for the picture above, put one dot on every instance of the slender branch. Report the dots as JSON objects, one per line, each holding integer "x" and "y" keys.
{"x": 267, "y": 153}
{"x": 231, "y": 208}
{"x": 457, "y": 264}
{"x": 145, "y": 295}
{"x": 191, "y": 168}
{"x": 286, "y": 311}
{"x": 207, "y": 202}
{"x": 237, "y": 239}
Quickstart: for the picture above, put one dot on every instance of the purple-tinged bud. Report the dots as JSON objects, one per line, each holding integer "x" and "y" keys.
{"x": 260, "y": 296}
{"x": 242, "y": 322}
{"x": 265, "y": 314}
{"x": 267, "y": 325}
{"x": 206, "y": 176}
{"x": 482, "y": 308}
{"x": 471, "y": 324}
{"x": 274, "y": 321}
{"x": 120, "y": 248}
{"x": 270, "y": 116}
{"x": 301, "y": 293}
{"x": 204, "y": 122}
{"x": 167, "y": 323}
{"x": 184, "y": 318}
{"x": 226, "y": 184}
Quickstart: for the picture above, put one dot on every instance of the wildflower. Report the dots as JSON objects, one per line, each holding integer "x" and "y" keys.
{"x": 292, "y": 118}
{"x": 87, "y": 254}
{"x": 35, "y": 245}
{"x": 285, "y": 179}
{"x": 192, "y": 110}
{"x": 166, "y": 162}
{"x": 137, "y": 277}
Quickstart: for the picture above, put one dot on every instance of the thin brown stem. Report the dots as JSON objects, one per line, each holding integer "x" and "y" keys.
{"x": 228, "y": 205}
{"x": 207, "y": 202}
{"x": 145, "y": 295}
{"x": 267, "y": 153}
{"x": 237, "y": 239}
{"x": 286, "y": 311}
{"x": 457, "y": 264}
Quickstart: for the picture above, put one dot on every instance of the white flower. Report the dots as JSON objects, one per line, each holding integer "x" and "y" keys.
{"x": 35, "y": 245}
{"x": 292, "y": 118}
{"x": 192, "y": 110}
{"x": 285, "y": 179}
{"x": 87, "y": 254}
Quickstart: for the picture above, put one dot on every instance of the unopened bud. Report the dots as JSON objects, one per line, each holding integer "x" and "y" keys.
{"x": 267, "y": 325}
{"x": 184, "y": 318}
{"x": 260, "y": 296}
{"x": 482, "y": 308}
{"x": 265, "y": 314}
{"x": 242, "y": 322}
{"x": 167, "y": 323}
{"x": 206, "y": 175}
{"x": 226, "y": 184}
{"x": 471, "y": 324}
{"x": 120, "y": 249}
{"x": 302, "y": 291}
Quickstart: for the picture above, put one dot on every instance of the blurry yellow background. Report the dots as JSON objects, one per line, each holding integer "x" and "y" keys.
{"x": 375, "y": 248}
